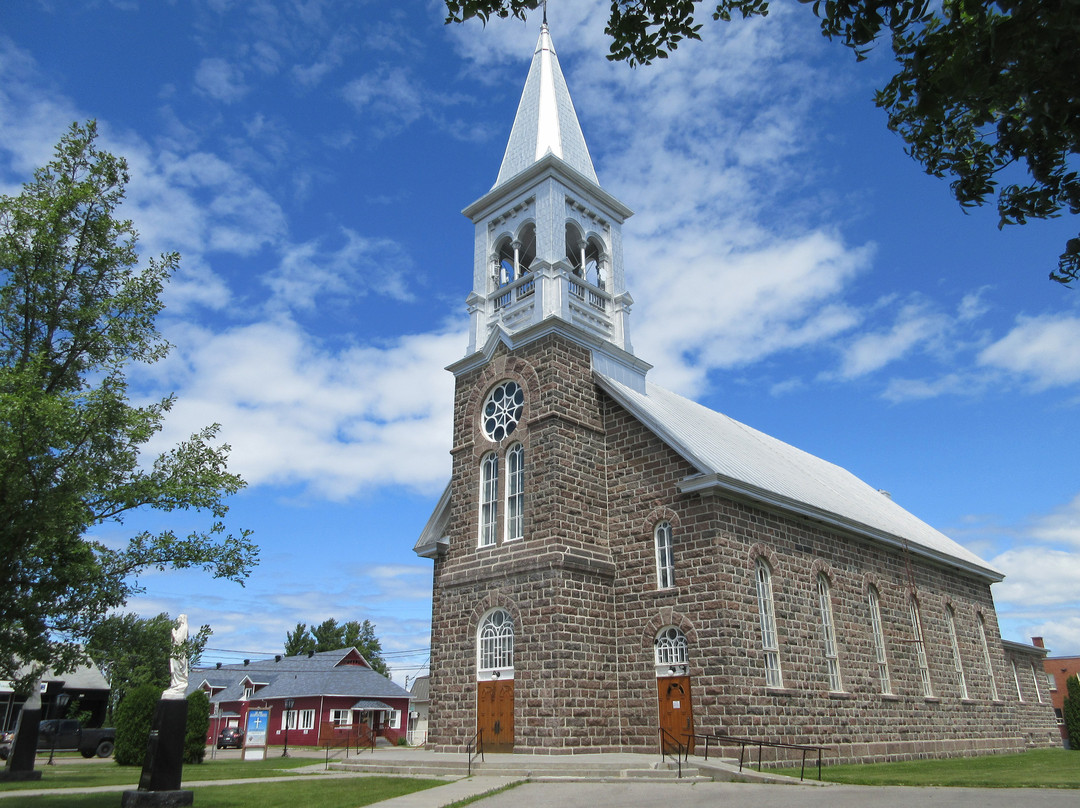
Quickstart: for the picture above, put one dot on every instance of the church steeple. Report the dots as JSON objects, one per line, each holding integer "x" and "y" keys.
{"x": 546, "y": 121}
{"x": 548, "y": 247}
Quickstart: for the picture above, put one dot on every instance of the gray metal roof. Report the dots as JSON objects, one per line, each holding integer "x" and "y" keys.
{"x": 421, "y": 688}
{"x": 370, "y": 704}
{"x": 735, "y": 457}
{"x": 545, "y": 120}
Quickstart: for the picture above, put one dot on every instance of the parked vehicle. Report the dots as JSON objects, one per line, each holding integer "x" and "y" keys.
{"x": 66, "y": 733}
{"x": 230, "y": 736}
{"x": 6, "y": 739}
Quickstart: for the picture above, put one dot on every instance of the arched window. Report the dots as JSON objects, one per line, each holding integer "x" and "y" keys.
{"x": 770, "y": 643}
{"x": 665, "y": 558}
{"x": 986, "y": 658}
{"x": 515, "y": 492}
{"x": 958, "y": 662}
{"x": 671, "y": 647}
{"x": 1016, "y": 680}
{"x": 828, "y": 633}
{"x": 879, "y": 639}
{"x": 495, "y": 641}
{"x": 920, "y": 648}
{"x": 489, "y": 501}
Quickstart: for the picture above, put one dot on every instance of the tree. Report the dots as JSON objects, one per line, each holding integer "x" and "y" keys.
{"x": 134, "y": 720}
{"x": 984, "y": 95}
{"x": 1071, "y": 711}
{"x": 329, "y": 636}
{"x": 131, "y": 650}
{"x": 76, "y": 312}
{"x": 198, "y": 722}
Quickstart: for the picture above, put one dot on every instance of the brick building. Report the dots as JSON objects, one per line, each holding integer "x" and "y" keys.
{"x": 1058, "y": 672}
{"x": 615, "y": 565}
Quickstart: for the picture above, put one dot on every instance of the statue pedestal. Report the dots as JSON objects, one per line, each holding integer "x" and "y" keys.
{"x": 162, "y": 772}
{"x": 20, "y": 764}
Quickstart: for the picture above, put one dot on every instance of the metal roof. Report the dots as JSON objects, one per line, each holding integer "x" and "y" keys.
{"x": 545, "y": 121}
{"x": 735, "y": 457}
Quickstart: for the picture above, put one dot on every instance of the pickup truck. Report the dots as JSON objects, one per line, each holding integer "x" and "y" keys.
{"x": 69, "y": 734}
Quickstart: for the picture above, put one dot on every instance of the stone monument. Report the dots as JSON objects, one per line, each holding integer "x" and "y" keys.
{"x": 159, "y": 785}
{"x": 20, "y": 762}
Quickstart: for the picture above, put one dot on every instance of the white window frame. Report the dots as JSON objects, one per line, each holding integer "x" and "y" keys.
{"x": 873, "y": 598}
{"x": 341, "y": 718}
{"x": 920, "y": 649}
{"x": 489, "y": 499}
{"x": 1016, "y": 679}
{"x": 515, "y": 492}
{"x": 395, "y": 719}
{"x": 987, "y": 658}
{"x": 307, "y": 719}
{"x": 290, "y": 719}
{"x": 495, "y": 643}
{"x": 671, "y": 647}
{"x": 1035, "y": 679}
{"x": 828, "y": 634}
{"x": 665, "y": 556}
{"x": 770, "y": 643}
{"x": 958, "y": 662}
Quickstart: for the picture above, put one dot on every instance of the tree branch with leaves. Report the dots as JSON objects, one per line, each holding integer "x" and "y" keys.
{"x": 76, "y": 312}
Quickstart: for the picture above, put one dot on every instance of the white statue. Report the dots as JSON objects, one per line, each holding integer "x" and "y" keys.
{"x": 178, "y": 661}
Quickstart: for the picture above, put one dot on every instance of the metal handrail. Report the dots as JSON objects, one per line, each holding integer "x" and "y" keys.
{"x": 678, "y": 755}
{"x": 348, "y": 742}
{"x": 744, "y": 742}
{"x": 478, "y": 738}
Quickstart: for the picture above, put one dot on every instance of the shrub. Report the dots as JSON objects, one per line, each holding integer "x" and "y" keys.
{"x": 198, "y": 722}
{"x": 1071, "y": 711}
{"x": 134, "y": 718}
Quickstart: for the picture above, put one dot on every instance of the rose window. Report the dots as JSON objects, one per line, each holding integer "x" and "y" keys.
{"x": 502, "y": 410}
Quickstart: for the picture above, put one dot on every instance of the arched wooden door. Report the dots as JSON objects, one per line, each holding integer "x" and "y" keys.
{"x": 676, "y": 712}
{"x": 495, "y": 714}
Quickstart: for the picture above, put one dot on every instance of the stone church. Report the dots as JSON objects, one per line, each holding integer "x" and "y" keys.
{"x": 617, "y": 568}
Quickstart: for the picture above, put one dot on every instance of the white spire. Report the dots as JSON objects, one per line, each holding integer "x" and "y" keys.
{"x": 546, "y": 120}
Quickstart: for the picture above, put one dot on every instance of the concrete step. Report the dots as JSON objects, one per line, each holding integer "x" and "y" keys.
{"x": 553, "y": 771}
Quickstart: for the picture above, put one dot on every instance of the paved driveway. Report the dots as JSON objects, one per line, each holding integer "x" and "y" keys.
{"x": 754, "y": 795}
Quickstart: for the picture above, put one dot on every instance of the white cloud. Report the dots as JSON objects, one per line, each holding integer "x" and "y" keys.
{"x": 388, "y": 99}
{"x": 297, "y": 413}
{"x": 1043, "y": 349}
{"x": 915, "y": 325}
{"x": 220, "y": 80}
{"x": 1062, "y": 526}
{"x": 1037, "y": 575}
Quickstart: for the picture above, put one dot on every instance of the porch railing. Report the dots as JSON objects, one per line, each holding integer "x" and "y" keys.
{"x": 477, "y": 743}
{"x": 760, "y": 744}
{"x": 667, "y": 738}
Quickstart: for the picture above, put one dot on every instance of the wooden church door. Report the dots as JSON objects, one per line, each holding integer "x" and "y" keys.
{"x": 495, "y": 714}
{"x": 676, "y": 712}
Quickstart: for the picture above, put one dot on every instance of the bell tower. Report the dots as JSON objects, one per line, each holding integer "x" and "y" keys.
{"x": 548, "y": 245}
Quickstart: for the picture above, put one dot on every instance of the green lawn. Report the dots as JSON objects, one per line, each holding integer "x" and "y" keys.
{"x": 344, "y": 793}
{"x": 1042, "y": 768}
{"x": 85, "y": 775}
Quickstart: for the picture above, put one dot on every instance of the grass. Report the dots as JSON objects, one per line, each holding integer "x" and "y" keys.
{"x": 350, "y": 792}
{"x": 1040, "y": 768}
{"x": 87, "y": 775}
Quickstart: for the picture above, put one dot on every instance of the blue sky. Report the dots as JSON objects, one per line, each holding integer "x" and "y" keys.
{"x": 791, "y": 267}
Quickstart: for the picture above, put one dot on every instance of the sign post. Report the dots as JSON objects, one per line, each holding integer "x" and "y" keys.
{"x": 258, "y": 721}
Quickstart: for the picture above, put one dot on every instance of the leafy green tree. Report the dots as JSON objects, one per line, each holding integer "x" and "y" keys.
{"x": 985, "y": 95}
{"x": 198, "y": 722}
{"x": 134, "y": 719}
{"x": 131, "y": 650}
{"x": 76, "y": 312}
{"x": 329, "y": 636}
{"x": 1071, "y": 711}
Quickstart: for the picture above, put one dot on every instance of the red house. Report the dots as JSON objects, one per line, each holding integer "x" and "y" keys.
{"x": 334, "y": 693}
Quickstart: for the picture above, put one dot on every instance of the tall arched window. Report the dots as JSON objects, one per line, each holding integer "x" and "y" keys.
{"x": 828, "y": 634}
{"x": 879, "y": 639}
{"x": 958, "y": 662}
{"x": 495, "y": 642}
{"x": 665, "y": 559}
{"x": 489, "y": 499}
{"x": 920, "y": 648}
{"x": 986, "y": 658}
{"x": 770, "y": 643}
{"x": 515, "y": 492}
{"x": 671, "y": 647}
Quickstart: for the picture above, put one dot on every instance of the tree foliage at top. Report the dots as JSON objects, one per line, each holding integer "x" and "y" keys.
{"x": 76, "y": 311}
{"x": 329, "y": 636}
{"x": 985, "y": 94}
{"x": 131, "y": 650}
